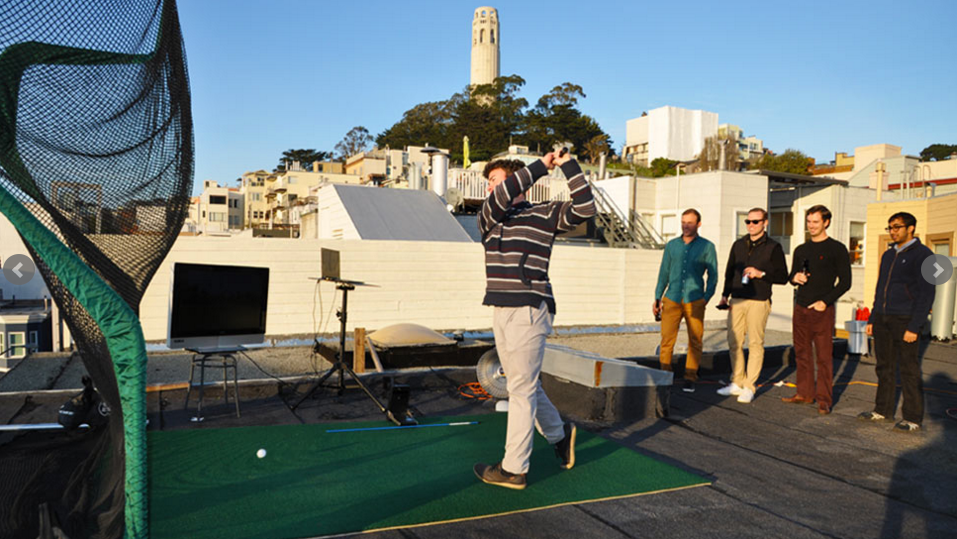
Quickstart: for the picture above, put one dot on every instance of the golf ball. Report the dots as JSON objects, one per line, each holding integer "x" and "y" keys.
{"x": 261, "y": 453}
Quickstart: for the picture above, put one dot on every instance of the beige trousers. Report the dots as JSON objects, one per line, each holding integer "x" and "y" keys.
{"x": 747, "y": 316}
{"x": 520, "y": 334}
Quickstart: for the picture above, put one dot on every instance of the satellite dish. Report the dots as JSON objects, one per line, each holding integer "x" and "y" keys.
{"x": 491, "y": 376}
{"x": 454, "y": 198}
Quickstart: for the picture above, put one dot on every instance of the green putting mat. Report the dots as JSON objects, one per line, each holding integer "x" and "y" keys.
{"x": 209, "y": 483}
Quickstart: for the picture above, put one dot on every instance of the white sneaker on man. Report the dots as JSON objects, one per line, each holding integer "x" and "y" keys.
{"x": 746, "y": 396}
{"x": 730, "y": 389}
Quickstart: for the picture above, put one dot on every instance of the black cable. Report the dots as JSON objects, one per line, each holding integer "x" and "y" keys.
{"x": 262, "y": 370}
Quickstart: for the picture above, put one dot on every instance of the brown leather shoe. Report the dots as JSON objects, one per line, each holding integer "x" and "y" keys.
{"x": 824, "y": 409}
{"x": 797, "y": 399}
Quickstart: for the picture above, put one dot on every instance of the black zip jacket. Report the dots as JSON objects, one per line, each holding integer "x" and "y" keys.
{"x": 901, "y": 289}
{"x": 764, "y": 254}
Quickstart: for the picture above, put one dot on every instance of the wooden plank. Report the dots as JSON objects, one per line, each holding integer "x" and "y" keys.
{"x": 359, "y": 351}
{"x": 375, "y": 355}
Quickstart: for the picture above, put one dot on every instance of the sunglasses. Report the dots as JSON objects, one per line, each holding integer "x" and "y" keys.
{"x": 895, "y": 227}
{"x": 753, "y": 221}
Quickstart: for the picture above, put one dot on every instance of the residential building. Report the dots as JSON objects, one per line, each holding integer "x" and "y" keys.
{"x": 749, "y": 148}
{"x": 670, "y": 132}
{"x": 254, "y": 197}
{"x": 288, "y": 190}
{"x": 217, "y": 209}
{"x": 842, "y": 163}
{"x": 25, "y": 328}
{"x": 884, "y": 167}
{"x": 378, "y": 166}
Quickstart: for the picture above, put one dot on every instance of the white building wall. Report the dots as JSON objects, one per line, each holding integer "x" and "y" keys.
{"x": 678, "y": 134}
{"x": 636, "y": 131}
{"x": 334, "y": 221}
{"x": 617, "y": 191}
{"x": 436, "y": 284}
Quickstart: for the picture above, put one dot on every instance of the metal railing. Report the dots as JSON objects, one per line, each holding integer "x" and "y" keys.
{"x": 619, "y": 229}
{"x": 474, "y": 186}
{"x": 636, "y": 232}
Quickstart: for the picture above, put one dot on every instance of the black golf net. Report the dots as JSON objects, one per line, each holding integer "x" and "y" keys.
{"x": 96, "y": 147}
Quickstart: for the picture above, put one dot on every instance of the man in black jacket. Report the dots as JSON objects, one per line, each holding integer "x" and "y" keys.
{"x": 755, "y": 263}
{"x": 901, "y": 304}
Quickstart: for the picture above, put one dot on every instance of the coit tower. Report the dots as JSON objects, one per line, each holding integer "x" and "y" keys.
{"x": 485, "y": 40}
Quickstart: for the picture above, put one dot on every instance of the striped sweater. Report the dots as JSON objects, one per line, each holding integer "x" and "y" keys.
{"x": 518, "y": 239}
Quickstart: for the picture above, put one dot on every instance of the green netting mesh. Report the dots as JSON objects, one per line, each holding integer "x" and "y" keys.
{"x": 96, "y": 163}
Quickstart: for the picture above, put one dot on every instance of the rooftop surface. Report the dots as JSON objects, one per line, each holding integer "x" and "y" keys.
{"x": 777, "y": 470}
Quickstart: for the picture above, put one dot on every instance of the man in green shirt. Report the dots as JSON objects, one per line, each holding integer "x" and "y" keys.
{"x": 683, "y": 265}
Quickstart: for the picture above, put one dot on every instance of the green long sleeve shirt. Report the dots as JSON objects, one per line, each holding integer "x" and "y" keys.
{"x": 683, "y": 266}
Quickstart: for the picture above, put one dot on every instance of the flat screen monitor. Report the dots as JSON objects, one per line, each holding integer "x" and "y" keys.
{"x": 217, "y": 307}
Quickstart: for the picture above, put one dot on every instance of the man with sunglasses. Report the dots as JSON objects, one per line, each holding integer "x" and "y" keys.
{"x": 755, "y": 263}
{"x": 901, "y": 304}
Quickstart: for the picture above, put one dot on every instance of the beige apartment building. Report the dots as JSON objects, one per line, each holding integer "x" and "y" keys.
{"x": 254, "y": 194}
{"x": 217, "y": 209}
{"x": 285, "y": 193}
{"x": 748, "y": 147}
{"x": 883, "y": 167}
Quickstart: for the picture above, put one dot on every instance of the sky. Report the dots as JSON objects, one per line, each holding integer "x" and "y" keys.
{"x": 820, "y": 77}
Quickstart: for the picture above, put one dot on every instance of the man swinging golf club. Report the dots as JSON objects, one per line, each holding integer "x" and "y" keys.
{"x": 518, "y": 239}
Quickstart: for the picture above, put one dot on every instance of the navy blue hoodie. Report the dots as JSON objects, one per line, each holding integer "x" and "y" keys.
{"x": 901, "y": 289}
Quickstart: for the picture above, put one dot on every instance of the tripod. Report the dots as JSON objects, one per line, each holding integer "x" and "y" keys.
{"x": 340, "y": 367}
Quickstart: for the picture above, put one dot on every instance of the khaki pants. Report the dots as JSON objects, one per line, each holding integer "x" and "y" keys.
{"x": 671, "y": 315}
{"x": 747, "y": 316}
{"x": 520, "y": 342}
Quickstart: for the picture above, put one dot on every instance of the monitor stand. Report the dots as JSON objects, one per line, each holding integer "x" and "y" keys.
{"x": 215, "y": 350}
{"x": 341, "y": 369}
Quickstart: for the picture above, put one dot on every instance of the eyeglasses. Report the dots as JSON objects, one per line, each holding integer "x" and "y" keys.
{"x": 753, "y": 221}
{"x": 895, "y": 227}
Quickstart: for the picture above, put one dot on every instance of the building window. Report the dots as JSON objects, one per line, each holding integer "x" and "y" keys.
{"x": 781, "y": 227}
{"x": 34, "y": 338}
{"x": 855, "y": 244}
{"x": 740, "y": 229}
{"x": 257, "y": 197}
{"x": 669, "y": 226}
{"x": 781, "y": 223}
{"x": 17, "y": 349}
{"x": 216, "y": 199}
{"x": 482, "y": 35}
{"x": 216, "y": 217}
{"x": 491, "y": 34}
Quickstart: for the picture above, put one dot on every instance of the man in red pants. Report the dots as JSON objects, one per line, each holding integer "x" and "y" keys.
{"x": 821, "y": 270}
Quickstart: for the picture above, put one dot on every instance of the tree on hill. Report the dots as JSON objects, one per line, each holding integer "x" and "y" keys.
{"x": 495, "y": 116}
{"x": 938, "y": 152}
{"x": 305, "y": 157}
{"x": 356, "y": 140}
{"x": 661, "y": 167}
{"x": 596, "y": 146}
{"x": 791, "y": 161}
{"x": 710, "y": 156}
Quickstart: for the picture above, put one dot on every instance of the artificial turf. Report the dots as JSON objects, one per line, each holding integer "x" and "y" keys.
{"x": 209, "y": 483}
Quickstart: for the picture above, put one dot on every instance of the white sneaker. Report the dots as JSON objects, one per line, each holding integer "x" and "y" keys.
{"x": 746, "y": 396}
{"x": 730, "y": 389}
